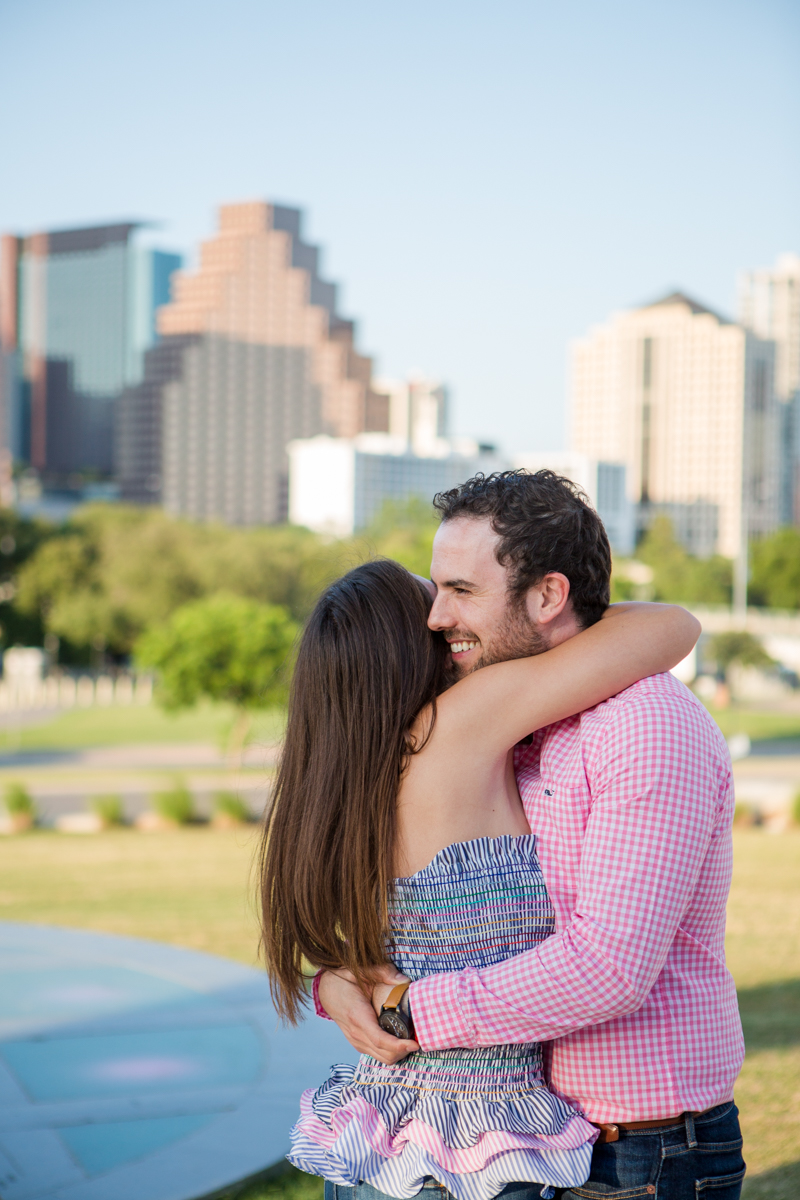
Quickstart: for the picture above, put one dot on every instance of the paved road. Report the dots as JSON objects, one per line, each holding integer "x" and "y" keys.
{"x": 775, "y": 747}
{"x": 64, "y": 781}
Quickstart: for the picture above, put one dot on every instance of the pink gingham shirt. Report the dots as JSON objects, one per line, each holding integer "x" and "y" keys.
{"x": 632, "y": 802}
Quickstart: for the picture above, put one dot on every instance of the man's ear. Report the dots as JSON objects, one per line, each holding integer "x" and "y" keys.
{"x": 547, "y": 599}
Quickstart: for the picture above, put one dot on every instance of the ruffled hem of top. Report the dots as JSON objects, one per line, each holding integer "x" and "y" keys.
{"x": 460, "y": 1122}
{"x": 399, "y": 1166}
{"x": 474, "y": 1148}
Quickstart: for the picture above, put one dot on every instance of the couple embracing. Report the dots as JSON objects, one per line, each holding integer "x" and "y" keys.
{"x": 501, "y": 833}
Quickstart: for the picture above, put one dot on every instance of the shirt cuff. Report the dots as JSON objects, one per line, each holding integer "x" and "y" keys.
{"x": 318, "y": 1009}
{"x": 437, "y": 1011}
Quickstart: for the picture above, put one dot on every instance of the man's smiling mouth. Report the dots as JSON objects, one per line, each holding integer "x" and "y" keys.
{"x": 462, "y": 646}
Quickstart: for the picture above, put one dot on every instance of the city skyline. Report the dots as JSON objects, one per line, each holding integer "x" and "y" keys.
{"x": 488, "y": 187}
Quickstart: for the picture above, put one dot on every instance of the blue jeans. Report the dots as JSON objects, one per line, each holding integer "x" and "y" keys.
{"x": 698, "y": 1160}
{"x": 431, "y": 1190}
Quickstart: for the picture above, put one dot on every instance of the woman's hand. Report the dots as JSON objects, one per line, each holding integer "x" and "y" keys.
{"x": 353, "y": 1011}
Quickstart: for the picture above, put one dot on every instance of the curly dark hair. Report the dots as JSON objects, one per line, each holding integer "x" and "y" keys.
{"x": 545, "y": 523}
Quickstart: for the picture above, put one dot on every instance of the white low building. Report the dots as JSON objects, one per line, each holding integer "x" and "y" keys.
{"x": 339, "y": 485}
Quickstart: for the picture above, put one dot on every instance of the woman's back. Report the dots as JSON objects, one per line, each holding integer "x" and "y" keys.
{"x": 454, "y": 791}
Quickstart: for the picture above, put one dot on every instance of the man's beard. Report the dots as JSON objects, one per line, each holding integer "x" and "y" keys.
{"x": 518, "y": 637}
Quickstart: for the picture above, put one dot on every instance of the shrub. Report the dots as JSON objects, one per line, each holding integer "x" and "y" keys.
{"x": 231, "y": 808}
{"x": 737, "y": 646}
{"x": 175, "y": 805}
{"x": 108, "y": 809}
{"x": 18, "y": 801}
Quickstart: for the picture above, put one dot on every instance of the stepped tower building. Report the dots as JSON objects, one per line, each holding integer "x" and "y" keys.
{"x": 253, "y": 354}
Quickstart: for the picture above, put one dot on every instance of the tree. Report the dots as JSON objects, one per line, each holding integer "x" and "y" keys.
{"x": 404, "y": 532}
{"x": 20, "y": 538}
{"x": 775, "y": 570}
{"x": 115, "y": 571}
{"x": 740, "y": 647}
{"x": 224, "y": 648}
{"x": 679, "y": 577}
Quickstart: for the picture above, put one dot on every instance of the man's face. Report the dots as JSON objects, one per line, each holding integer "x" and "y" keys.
{"x": 473, "y": 608}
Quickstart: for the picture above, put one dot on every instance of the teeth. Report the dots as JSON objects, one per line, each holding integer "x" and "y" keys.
{"x": 459, "y": 647}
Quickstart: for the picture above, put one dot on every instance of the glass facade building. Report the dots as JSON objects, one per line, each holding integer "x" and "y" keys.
{"x": 77, "y": 314}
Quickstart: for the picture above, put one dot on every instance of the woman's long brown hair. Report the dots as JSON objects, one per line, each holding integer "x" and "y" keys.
{"x": 367, "y": 666}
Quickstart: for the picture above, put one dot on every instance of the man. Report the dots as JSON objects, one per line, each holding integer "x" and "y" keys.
{"x": 632, "y": 803}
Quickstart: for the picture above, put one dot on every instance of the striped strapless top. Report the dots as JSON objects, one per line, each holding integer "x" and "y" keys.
{"x": 474, "y": 1120}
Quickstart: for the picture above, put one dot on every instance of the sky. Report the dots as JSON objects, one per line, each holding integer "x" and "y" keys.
{"x": 487, "y": 181}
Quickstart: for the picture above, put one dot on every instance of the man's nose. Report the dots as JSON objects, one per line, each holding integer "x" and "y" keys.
{"x": 439, "y": 617}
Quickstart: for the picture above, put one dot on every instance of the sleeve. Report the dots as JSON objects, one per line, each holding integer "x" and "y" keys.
{"x": 318, "y": 1009}
{"x": 657, "y": 780}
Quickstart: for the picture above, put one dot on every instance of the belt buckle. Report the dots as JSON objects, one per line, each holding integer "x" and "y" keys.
{"x": 608, "y": 1133}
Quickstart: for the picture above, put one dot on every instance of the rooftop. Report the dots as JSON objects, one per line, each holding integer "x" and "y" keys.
{"x": 693, "y": 305}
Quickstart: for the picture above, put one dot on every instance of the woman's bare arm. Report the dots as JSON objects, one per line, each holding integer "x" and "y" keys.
{"x": 495, "y": 707}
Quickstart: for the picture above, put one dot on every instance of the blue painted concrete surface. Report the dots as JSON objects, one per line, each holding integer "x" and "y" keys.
{"x": 131, "y": 1070}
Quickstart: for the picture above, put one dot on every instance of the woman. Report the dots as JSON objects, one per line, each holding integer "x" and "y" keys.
{"x": 397, "y": 832}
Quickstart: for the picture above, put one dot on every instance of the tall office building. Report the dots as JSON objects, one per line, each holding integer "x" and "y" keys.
{"x": 685, "y": 399}
{"x": 769, "y": 304}
{"x": 253, "y": 353}
{"x": 77, "y": 313}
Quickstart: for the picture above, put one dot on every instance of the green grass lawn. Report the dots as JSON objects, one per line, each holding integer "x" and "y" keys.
{"x": 192, "y": 887}
{"x": 763, "y": 948}
{"x": 195, "y": 888}
{"x": 757, "y": 723}
{"x": 81, "y": 728}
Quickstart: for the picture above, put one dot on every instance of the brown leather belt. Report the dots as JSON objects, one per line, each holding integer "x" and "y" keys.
{"x": 610, "y": 1132}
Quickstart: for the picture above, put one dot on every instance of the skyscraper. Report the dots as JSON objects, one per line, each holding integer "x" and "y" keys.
{"x": 769, "y": 304}
{"x": 77, "y": 313}
{"x": 685, "y": 399}
{"x": 253, "y": 353}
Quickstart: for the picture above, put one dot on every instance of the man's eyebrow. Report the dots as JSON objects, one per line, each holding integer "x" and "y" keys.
{"x": 459, "y": 583}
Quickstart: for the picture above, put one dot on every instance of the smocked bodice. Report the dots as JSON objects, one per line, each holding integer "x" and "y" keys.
{"x": 474, "y": 1119}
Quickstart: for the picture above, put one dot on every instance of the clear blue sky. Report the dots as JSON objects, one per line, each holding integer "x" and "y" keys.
{"x": 487, "y": 180}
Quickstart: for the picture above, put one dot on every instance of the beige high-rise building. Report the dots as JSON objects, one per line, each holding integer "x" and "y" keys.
{"x": 253, "y": 354}
{"x": 769, "y": 304}
{"x": 685, "y": 399}
{"x": 418, "y": 414}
